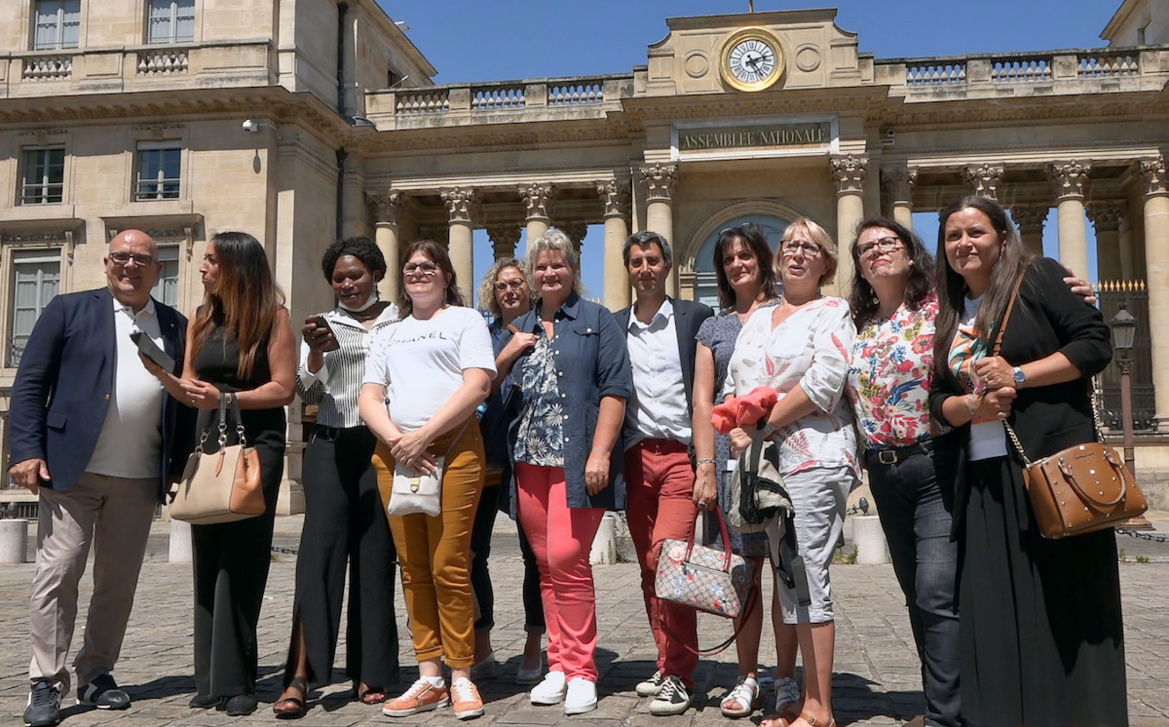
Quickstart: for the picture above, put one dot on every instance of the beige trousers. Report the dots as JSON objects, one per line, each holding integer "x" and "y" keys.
{"x": 113, "y": 515}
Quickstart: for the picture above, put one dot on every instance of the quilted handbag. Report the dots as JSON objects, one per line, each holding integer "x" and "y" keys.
{"x": 704, "y": 578}
{"x": 222, "y": 486}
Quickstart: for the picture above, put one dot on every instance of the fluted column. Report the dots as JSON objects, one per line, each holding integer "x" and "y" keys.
{"x": 1106, "y": 216}
{"x": 899, "y": 182}
{"x": 1030, "y": 218}
{"x": 576, "y": 232}
{"x": 615, "y": 196}
{"x": 984, "y": 179}
{"x": 1155, "y": 186}
{"x": 848, "y": 172}
{"x": 460, "y": 235}
{"x": 503, "y": 240}
{"x": 659, "y": 180}
{"x": 385, "y": 207}
{"x": 537, "y": 200}
{"x": 1071, "y": 180}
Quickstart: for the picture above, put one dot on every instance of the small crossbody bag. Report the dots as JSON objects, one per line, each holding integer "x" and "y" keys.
{"x": 420, "y": 494}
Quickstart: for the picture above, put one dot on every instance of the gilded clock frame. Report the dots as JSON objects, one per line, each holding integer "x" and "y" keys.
{"x": 763, "y": 36}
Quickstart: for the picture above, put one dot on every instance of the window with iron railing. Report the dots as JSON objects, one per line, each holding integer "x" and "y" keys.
{"x": 36, "y": 278}
{"x": 171, "y": 21}
{"x": 42, "y": 178}
{"x": 58, "y": 23}
{"x": 159, "y": 168}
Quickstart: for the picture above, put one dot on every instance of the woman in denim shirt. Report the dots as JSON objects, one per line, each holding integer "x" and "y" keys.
{"x": 574, "y": 376}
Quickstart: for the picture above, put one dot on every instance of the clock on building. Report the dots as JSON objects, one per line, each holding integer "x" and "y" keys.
{"x": 751, "y": 60}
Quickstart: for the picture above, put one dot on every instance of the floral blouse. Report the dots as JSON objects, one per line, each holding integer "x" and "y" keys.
{"x": 889, "y": 379}
{"x": 811, "y": 348}
{"x": 540, "y": 436}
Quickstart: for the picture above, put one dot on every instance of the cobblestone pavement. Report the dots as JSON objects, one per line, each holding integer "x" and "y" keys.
{"x": 876, "y": 679}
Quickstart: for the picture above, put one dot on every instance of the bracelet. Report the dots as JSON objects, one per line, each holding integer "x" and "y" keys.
{"x": 970, "y": 405}
{"x": 706, "y": 460}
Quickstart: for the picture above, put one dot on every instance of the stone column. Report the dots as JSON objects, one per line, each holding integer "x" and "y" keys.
{"x": 537, "y": 199}
{"x": 1155, "y": 182}
{"x": 615, "y": 196}
{"x": 576, "y": 232}
{"x": 899, "y": 182}
{"x": 1030, "y": 218}
{"x": 659, "y": 180}
{"x": 1071, "y": 179}
{"x": 984, "y": 179}
{"x": 849, "y": 174}
{"x": 1106, "y": 216}
{"x": 460, "y": 234}
{"x": 1127, "y": 256}
{"x": 503, "y": 240}
{"x": 386, "y": 206}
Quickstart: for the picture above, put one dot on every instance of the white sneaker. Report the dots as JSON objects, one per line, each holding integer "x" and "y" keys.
{"x": 581, "y": 697}
{"x": 549, "y": 691}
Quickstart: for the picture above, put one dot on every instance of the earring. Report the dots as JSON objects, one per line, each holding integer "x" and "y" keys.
{"x": 910, "y": 263}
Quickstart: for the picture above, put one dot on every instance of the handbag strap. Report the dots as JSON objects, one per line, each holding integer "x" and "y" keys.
{"x": 722, "y": 645}
{"x": 239, "y": 427}
{"x": 998, "y": 339}
{"x": 722, "y": 527}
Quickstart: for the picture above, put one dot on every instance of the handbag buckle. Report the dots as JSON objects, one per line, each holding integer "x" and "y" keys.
{"x": 415, "y": 482}
{"x": 887, "y": 456}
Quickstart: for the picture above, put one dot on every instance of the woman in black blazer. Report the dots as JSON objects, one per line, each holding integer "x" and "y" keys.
{"x": 1041, "y": 630}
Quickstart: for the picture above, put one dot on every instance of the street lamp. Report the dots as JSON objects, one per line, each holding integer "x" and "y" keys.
{"x": 1124, "y": 331}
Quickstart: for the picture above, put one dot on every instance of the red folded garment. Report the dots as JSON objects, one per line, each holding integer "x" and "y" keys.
{"x": 744, "y": 410}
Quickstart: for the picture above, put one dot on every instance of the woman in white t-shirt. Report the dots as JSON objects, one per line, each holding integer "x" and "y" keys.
{"x": 424, "y": 379}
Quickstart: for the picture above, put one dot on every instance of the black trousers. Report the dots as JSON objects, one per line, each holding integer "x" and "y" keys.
{"x": 345, "y": 530}
{"x": 480, "y": 553}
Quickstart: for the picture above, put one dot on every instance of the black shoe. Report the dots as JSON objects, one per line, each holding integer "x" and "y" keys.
{"x": 44, "y": 705}
{"x": 673, "y": 698}
{"x": 203, "y": 701}
{"x": 102, "y": 693}
{"x": 240, "y": 705}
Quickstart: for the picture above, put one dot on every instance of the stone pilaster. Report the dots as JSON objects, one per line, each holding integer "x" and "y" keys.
{"x": 386, "y": 206}
{"x": 898, "y": 183}
{"x": 1030, "y": 218}
{"x": 1154, "y": 180}
{"x": 614, "y": 195}
{"x": 1106, "y": 215}
{"x": 658, "y": 180}
{"x": 1071, "y": 181}
{"x": 848, "y": 172}
{"x": 503, "y": 240}
{"x": 537, "y": 199}
{"x": 984, "y": 179}
{"x": 460, "y": 203}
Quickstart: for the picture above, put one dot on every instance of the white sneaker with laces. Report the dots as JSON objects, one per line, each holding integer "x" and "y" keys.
{"x": 550, "y": 691}
{"x": 650, "y": 687}
{"x": 581, "y": 697}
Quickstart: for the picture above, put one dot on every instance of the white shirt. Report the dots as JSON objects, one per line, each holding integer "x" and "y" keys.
{"x": 421, "y": 363}
{"x": 987, "y": 438}
{"x": 658, "y": 408}
{"x": 130, "y": 442}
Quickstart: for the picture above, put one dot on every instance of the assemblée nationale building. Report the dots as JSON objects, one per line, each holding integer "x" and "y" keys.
{"x": 304, "y": 120}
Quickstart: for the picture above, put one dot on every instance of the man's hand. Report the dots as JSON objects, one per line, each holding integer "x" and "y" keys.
{"x": 596, "y": 472}
{"x": 29, "y": 474}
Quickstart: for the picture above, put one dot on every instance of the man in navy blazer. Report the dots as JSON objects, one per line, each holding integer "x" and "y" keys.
{"x": 659, "y": 477}
{"x": 93, "y": 433}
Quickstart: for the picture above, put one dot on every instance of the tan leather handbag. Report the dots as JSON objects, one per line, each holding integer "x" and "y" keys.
{"x": 225, "y": 485}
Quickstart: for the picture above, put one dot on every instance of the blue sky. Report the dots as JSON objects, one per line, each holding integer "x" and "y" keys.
{"x": 482, "y": 40}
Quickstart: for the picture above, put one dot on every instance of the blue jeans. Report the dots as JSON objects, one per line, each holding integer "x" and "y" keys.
{"x": 916, "y": 517}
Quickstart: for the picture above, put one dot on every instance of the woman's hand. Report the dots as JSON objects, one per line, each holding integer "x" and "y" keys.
{"x": 995, "y": 373}
{"x": 410, "y": 450}
{"x": 740, "y": 438}
{"x": 319, "y": 338}
{"x": 200, "y": 394}
{"x": 996, "y": 404}
{"x": 520, "y": 341}
{"x": 706, "y": 487}
{"x": 596, "y": 472}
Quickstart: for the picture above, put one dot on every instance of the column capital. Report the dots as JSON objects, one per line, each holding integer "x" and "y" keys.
{"x": 576, "y": 232}
{"x": 1154, "y": 179}
{"x": 899, "y": 181}
{"x": 615, "y": 196}
{"x": 537, "y": 200}
{"x": 658, "y": 180}
{"x": 385, "y": 206}
{"x": 984, "y": 179}
{"x": 849, "y": 171}
{"x": 1030, "y": 217}
{"x": 503, "y": 240}
{"x": 1106, "y": 214}
{"x": 1070, "y": 178}
{"x": 460, "y": 202}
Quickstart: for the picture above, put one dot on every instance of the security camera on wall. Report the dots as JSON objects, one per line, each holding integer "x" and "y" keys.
{"x": 252, "y": 126}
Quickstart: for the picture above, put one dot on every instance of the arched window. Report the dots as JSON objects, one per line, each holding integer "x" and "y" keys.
{"x": 706, "y": 286}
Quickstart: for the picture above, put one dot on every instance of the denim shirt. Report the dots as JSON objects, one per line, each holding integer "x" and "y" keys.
{"x": 501, "y": 408}
{"x": 591, "y": 362}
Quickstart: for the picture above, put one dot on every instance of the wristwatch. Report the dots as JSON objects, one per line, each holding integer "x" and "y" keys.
{"x": 1020, "y": 377}
{"x": 768, "y": 430}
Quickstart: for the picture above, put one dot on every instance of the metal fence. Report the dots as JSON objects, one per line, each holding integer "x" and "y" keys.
{"x": 1133, "y": 295}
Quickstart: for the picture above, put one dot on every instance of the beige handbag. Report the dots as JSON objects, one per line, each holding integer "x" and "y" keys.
{"x": 419, "y": 494}
{"x": 225, "y": 485}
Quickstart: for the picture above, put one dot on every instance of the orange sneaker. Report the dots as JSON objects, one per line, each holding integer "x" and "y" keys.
{"x": 465, "y": 699}
{"x": 422, "y": 696}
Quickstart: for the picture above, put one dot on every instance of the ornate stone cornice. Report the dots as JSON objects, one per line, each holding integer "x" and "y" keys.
{"x": 1070, "y": 178}
{"x": 658, "y": 180}
{"x": 899, "y": 181}
{"x": 503, "y": 240}
{"x": 1106, "y": 214}
{"x": 615, "y": 196}
{"x": 537, "y": 200}
{"x": 576, "y": 232}
{"x": 848, "y": 172}
{"x": 54, "y": 238}
{"x": 460, "y": 203}
{"x": 1153, "y": 175}
{"x": 1030, "y": 217}
{"x": 385, "y": 206}
{"x": 984, "y": 179}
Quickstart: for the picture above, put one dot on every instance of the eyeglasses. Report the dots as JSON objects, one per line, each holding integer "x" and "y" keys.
{"x": 791, "y": 247}
{"x": 122, "y": 259}
{"x": 884, "y": 244}
{"x": 503, "y": 285}
{"x": 427, "y": 268}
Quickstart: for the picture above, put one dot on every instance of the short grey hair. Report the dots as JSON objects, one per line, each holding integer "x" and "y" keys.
{"x": 644, "y": 239}
{"x": 554, "y": 241}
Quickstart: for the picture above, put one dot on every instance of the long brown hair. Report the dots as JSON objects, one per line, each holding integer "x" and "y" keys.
{"x": 245, "y": 300}
{"x": 952, "y": 288}
{"x": 438, "y": 255}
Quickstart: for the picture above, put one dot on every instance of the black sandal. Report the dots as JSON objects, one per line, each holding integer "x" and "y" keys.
{"x": 299, "y": 707}
{"x": 371, "y": 695}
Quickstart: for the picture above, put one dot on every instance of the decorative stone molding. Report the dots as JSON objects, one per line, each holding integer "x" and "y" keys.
{"x": 849, "y": 172}
{"x": 1153, "y": 176}
{"x": 385, "y": 206}
{"x": 1070, "y": 178}
{"x": 984, "y": 179}
{"x": 1030, "y": 217}
{"x": 460, "y": 202}
{"x": 899, "y": 182}
{"x": 615, "y": 196}
{"x": 658, "y": 180}
{"x": 28, "y": 238}
{"x": 576, "y": 232}
{"x": 537, "y": 200}
{"x": 503, "y": 240}
{"x": 1106, "y": 214}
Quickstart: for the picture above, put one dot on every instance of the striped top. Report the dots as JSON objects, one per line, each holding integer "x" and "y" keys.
{"x": 336, "y": 386}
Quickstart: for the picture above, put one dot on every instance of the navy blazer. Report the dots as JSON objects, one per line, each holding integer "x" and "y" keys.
{"x": 63, "y": 386}
{"x": 688, "y": 318}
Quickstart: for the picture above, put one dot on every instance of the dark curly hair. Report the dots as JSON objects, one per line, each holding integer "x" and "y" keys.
{"x": 863, "y": 301}
{"x": 361, "y": 248}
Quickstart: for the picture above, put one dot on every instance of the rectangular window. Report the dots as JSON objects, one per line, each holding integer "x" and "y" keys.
{"x": 171, "y": 21}
{"x": 57, "y": 24}
{"x": 166, "y": 290}
{"x": 159, "y": 165}
{"x": 42, "y": 180}
{"x": 36, "y": 276}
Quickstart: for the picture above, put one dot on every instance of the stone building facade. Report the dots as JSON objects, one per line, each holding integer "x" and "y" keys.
{"x": 132, "y": 113}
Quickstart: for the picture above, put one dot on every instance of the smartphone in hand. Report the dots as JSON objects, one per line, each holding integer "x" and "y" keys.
{"x": 319, "y": 321}
{"x": 148, "y": 348}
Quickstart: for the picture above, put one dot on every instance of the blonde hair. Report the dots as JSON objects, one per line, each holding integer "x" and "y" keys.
{"x": 555, "y": 241}
{"x": 819, "y": 236}
{"x": 487, "y": 299}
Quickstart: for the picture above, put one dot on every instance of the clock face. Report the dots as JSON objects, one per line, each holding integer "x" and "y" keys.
{"x": 751, "y": 60}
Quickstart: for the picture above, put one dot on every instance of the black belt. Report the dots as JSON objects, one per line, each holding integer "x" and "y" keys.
{"x": 897, "y": 454}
